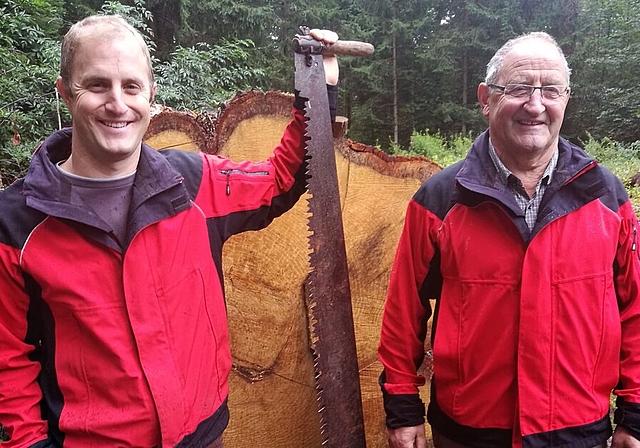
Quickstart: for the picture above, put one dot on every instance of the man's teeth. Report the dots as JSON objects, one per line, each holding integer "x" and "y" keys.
{"x": 115, "y": 125}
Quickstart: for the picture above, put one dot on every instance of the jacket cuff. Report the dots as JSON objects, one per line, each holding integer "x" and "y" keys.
{"x": 627, "y": 415}
{"x": 332, "y": 92}
{"x": 402, "y": 410}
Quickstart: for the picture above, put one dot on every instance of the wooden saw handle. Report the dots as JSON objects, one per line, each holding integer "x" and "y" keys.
{"x": 349, "y": 48}
{"x": 305, "y": 44}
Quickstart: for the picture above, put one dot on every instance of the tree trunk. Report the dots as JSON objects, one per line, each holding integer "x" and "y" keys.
{"x": 395, "y": 90}
{"x": 465, "y": 85}
{"x": 166, "y": 21}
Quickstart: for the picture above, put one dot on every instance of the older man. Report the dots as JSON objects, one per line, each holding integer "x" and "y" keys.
{"x": 113, "y": 327}
{"x": 530, "y": 250}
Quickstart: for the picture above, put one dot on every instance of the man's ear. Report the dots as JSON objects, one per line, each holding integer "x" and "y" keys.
{"x": 483, "y": 98}
{"x": 154, "y": 88}
{"x": 62, "y": 89}
{"x": 567, "y": 96}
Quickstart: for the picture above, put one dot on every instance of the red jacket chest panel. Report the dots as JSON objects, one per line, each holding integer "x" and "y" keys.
{"x": 520, "y": 310}
{"x": 128, "y": 318}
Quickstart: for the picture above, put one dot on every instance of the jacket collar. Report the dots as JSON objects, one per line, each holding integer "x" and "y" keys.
{"x": 46, "y": 189}
{"x": 478, "y": 172}
{"x": 478, "y": 179}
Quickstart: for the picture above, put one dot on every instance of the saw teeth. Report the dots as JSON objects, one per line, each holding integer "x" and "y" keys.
{"x": 327, "y": 295}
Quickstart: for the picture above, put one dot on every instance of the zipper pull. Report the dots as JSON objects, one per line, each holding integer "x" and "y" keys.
{"x": 635, "y": 237}
{"x": 228, "y": 183}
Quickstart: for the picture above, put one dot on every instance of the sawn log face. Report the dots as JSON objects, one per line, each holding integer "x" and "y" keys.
{"x": 272, "y": 391}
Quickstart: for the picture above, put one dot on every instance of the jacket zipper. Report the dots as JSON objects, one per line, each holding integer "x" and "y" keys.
{"x": 635, "y": 236}
{"x": 228, "y": 173}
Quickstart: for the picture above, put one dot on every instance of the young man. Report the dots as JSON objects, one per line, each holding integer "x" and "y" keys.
{"x": 530, "y": 250}
{"x": 113, "y": 327}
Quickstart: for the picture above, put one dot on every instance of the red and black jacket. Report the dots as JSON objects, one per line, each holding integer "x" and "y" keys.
{"x": 114, "y": 344}
{"x": 532, "y": 329}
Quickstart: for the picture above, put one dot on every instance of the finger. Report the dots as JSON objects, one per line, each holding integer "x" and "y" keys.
{"x": 326, "y": 36}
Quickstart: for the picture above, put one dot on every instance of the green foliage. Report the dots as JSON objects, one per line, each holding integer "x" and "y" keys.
{"x": 137, "y": 15}
{"x": 623, "y": 159}
{"x": 14, "y": 161}
{"x": 27, "y": 23}
{"x": 388, "y": 94}
{"x": 606, "y": 99}
{"x": 27, "y": 86}
{"x": 30, "y": 56}
{"x": 29, "y": 68}
{"x": 214, "y": 20}
{"x": 438, "y": 149}
{"x": 202, "y": 77}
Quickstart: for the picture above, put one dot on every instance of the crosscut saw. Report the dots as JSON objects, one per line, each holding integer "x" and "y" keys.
{"x": 328, "y": 294}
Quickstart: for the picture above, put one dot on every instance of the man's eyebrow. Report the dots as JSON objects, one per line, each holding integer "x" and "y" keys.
{"x": 552, "y": 82}
{"x": 106, "y": 79}
{"x": 135, "y": 80}
{"x": 93, "y": 78}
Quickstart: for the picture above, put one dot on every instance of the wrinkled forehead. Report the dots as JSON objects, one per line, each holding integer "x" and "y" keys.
{"x": 533, "y": 60}
{"x": 90, "y": 36}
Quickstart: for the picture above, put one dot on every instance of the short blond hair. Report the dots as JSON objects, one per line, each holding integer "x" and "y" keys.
{"x": 103, "y": 26}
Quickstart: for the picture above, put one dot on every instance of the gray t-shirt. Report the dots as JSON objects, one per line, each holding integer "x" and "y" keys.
{"x": 108, "y": 198}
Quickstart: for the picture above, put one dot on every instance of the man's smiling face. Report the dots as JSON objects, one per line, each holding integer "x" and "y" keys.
{"x": 109, "y": 95}
{"x": 526, "y": 126}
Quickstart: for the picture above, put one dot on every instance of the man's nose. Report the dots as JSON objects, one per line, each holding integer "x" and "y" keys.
{"x": 116, "y": 101}
{"x": 535, "y": 101}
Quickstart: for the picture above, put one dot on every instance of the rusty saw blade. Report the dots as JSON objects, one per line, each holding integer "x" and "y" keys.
{"x": 327, "y": 287}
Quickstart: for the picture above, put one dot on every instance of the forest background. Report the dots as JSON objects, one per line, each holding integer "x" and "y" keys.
{"x": 415, "y": 95}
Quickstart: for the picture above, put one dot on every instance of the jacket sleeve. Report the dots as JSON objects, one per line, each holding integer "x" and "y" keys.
{"x": 248, "y": 195}
{"x": 20, "y": 394}
{"x": 628, "y": 289}
{"x": 404, "y": 323}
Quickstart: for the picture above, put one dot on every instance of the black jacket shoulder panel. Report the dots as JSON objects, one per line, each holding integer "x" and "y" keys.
{"x": 435, "y": 193}
{"x": 578, "y": 180}
{"x": 614, "y": 194}
{"x": 17, "y": 220}
{"x": 189, "y": 165}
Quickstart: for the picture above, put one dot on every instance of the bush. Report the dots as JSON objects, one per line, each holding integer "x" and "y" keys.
{"x": 28, "y": 73}
{"x": 201, "y": 78}
{"x": 28, "y": 108}
{"x": 14, "y": 161}
{"x": 623, "y": 159}
{"x": 441, "y": 150}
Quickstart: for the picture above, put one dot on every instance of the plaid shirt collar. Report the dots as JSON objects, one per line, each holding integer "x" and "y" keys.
{"x": 505, "y": 174}
{"x": 529, "y": 205}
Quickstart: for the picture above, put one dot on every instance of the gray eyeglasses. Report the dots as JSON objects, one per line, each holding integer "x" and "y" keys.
{"x": 521, "y": 91}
